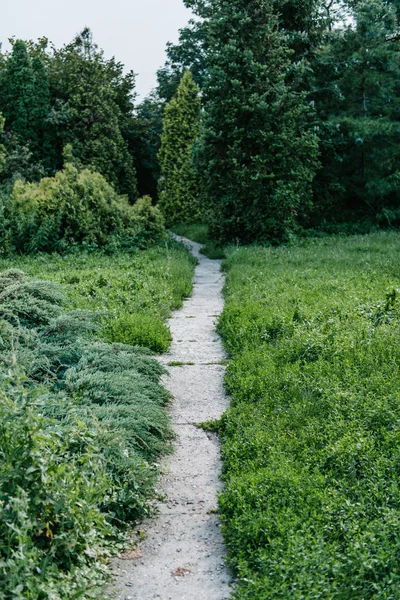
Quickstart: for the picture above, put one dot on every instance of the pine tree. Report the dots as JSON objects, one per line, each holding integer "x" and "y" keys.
{"x": 256, "y": 158}
{"x": 360, "y": 174}
{"x": 17, "y": 96}
{"x": 178, "y": 191}
{"x": 91, "y": 89}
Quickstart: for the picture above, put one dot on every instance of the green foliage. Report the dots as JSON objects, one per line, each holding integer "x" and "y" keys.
{"x": 53, "y": 97}
{"x": 82, "y": 422}
{"x": 51, "y": 528}
{"x": 134, "y": 292}
{"x": 17, "y": 87}
{"x": 178, "y": 190}
{"x": 311, "y": 442}
{"x": 189, "y": 54}
{"x": 256, "y": 158}
{"x": 144, "y": 138}
{"x": 3, "y": 152}
{"x": 96, "y": 98}
{"x": 139, "y": 329}
{"x": 149, "y": 221}
{"x": 77, "y": 207}
{"x": 357, "y": 97}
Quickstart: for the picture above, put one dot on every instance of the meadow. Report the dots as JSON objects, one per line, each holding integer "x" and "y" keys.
{"x": 311, "y": 443}
{"x": 83, "y": 420}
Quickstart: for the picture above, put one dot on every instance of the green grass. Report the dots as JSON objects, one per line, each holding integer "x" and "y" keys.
{"x": 136, "y": 292}
{"x": 83, "y": 421}
{"x": 199, "y": 233}
{"x": 311, "y": 445}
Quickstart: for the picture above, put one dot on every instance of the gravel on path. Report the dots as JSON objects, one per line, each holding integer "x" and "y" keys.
{"x": 182, "y": 556}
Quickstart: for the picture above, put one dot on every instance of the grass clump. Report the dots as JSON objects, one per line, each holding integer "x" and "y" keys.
{"x": 311, "y": 443}
{"x": 135, "y": 292}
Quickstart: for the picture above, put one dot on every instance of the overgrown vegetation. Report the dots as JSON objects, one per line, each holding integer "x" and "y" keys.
{"x": 134, "y": 292}
{"x": 75, "y": 207}
{"x": 83, "y": 421}
{"x": 311, "y": 442}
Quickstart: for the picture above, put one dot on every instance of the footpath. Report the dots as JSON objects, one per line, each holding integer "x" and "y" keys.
{"x": 182, "y": 555}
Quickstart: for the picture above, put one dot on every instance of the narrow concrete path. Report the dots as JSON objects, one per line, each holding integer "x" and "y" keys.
{"x": 182, "y": 555}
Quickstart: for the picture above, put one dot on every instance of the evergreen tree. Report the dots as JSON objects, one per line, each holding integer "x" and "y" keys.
{"x": 256, "y": 158}
{"x": 188, "y": 54}
{"x": 17, "y": 92}
{"x": 178, "y": 191}
{"x": 41, "y": 143}
{"x": 3, "y": 152}
{"x": 360, "y": 162}
{"x": 91, "y": 90}
{"x": 144, "y": 139}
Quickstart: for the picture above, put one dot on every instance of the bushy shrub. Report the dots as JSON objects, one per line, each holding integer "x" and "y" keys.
{"x": 74, "y": 207}
{"x": 78, "y": 457}
{"x": 149, "y": 221}
{"x": 51, "y": 527}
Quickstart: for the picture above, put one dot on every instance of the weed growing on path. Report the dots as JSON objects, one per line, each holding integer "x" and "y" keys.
{"x": 311, "y": 443}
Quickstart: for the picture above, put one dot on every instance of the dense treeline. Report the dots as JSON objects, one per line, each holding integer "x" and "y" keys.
{"x": 299, "y": 125}
{"x": 70, "y": 144}
{"x": 301, "y": 113}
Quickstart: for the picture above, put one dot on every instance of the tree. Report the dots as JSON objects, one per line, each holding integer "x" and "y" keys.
{"x": 17, "y": 92}
{"x": 256, "y": 158}
{"x": 178, "y": 191}
{"x": 144, "y": 139}
{"x": 95, "y": 99}
{"x": 188, "y": 54}
{"x": 360, "y": 116}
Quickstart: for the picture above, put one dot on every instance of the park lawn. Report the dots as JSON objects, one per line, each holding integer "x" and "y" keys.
{"x": 135, "y": 291}
{"x": 311, "y": 444}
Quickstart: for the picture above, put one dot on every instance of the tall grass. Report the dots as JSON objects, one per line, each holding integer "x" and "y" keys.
{"x": 311, "y": 444}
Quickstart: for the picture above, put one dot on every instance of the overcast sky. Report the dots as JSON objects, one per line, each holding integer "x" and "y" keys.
{"x": 134, "y": 31}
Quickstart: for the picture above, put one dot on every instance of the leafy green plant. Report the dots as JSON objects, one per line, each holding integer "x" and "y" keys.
{"x": 178, "y": 188}
{"x": 311, "y": 443}
{"x": 78, "y": 207}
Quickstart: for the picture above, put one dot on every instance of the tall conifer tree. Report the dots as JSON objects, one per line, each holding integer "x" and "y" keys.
{"x": 256, "y": 157}
{"x": 17, "y": 98}
{"x": 178, "y": 190}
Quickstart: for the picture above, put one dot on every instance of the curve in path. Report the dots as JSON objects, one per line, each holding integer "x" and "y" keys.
{"x": 182, "y": 557}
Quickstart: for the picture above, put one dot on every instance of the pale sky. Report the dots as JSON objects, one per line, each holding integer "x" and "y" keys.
{"x": 134, "y": 31}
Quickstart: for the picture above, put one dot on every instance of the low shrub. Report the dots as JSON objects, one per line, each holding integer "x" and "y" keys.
{"x": 141, "y": 330}
{"x": 52, "y": 531}
{"x": 311, "y": 443}
{"x": 77, "y": 207}
{"x": 78, "y": 457}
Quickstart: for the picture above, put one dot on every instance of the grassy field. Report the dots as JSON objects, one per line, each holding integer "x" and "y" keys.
{"x": 311, "y": 444}
{"x": 83, "y": 418}
{"x": 136, "y": 292}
